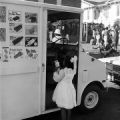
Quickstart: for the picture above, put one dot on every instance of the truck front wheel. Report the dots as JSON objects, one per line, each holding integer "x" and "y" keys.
{"x": 91, "y": 98}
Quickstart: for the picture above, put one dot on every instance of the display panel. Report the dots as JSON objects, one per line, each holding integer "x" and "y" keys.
{"x": 18, "y": 38}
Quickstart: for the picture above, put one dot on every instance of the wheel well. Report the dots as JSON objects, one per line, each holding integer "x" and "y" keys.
{"x": 96, "y": 83}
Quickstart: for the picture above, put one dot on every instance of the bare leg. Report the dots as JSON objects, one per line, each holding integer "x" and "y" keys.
{"x": 69, "y": 114}
{"x": 63, "y": 114}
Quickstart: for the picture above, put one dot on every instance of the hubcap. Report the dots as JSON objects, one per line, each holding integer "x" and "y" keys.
{"x": 91, "y": 99}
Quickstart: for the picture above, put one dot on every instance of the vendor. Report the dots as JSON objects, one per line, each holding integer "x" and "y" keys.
{"x": 57, "y": 36}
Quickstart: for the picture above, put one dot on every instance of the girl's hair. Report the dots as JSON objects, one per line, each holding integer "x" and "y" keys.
{"x": 54, "y": 67}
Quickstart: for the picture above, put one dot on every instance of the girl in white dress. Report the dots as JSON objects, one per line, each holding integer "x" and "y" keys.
{"x": 64, "y": 94}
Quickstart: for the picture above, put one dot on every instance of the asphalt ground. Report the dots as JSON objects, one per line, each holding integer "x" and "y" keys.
{"x": 109, "y": 109}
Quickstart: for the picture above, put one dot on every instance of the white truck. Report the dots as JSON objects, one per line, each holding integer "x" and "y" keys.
{"x": 27, "y": 55}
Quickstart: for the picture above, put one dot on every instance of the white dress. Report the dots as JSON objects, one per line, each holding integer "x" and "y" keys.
{"x": 65, "y": 94}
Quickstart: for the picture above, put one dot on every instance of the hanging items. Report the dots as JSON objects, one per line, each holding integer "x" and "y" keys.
{"x": 96, "y": 13}
{"x": 106, "y": 11}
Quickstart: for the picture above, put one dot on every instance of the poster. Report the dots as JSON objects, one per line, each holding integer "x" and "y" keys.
{"x": 31, "y": 30}
{"x": 31, "y": 53}
{"x": 16, "y": 41}
{"x": 31, "y": 41}
{"x": 15, "y": 16}
{"x": 2, "y": 34}
{"x": 2, "y": 14}
{"x": 15, "y": 27}
{"x": 5, "y": 54}
{"x": 31, "y": 17}
{"x": 16, "y": 53}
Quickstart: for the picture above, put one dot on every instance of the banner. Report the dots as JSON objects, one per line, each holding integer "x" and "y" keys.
{"x": 96, "y": 13}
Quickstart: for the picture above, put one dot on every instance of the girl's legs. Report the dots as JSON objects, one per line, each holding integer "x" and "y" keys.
{"x": 68, "y": 114}
{"x": 63, "y": 114}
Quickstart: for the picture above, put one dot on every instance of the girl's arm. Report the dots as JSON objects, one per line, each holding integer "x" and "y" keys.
{"x": 58, "y": 76}
{"x": 74, "y": 60}
{"x": 75, "y": 67}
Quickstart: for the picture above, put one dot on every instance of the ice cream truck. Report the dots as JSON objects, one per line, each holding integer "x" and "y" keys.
{"x": 27, "y": 56}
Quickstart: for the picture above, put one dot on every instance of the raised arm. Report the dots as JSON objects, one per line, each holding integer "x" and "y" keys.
{"x": 74, "y": 61}
{"x": 58, "y": 76}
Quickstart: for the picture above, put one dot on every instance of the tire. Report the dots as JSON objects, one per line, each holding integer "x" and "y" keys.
{"x": 91, "y": 98}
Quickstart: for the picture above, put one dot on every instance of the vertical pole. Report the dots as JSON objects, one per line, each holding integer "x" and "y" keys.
{"x": 79, "y": 93}
{"x": 44, "y": 15}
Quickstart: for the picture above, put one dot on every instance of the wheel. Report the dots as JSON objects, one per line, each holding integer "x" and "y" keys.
{"x": 91, "y": 98}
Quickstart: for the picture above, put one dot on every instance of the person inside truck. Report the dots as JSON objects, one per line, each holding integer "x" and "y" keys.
{"x": 65, "y": 94}
{"x": 57, "y": 36}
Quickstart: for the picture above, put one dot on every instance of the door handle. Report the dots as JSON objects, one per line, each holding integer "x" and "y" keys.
{"x": 43, "y": 67}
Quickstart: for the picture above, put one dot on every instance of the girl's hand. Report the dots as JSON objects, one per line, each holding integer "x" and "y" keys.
{"x": 57, "y": 64}
{"x": 73, "y": 59}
